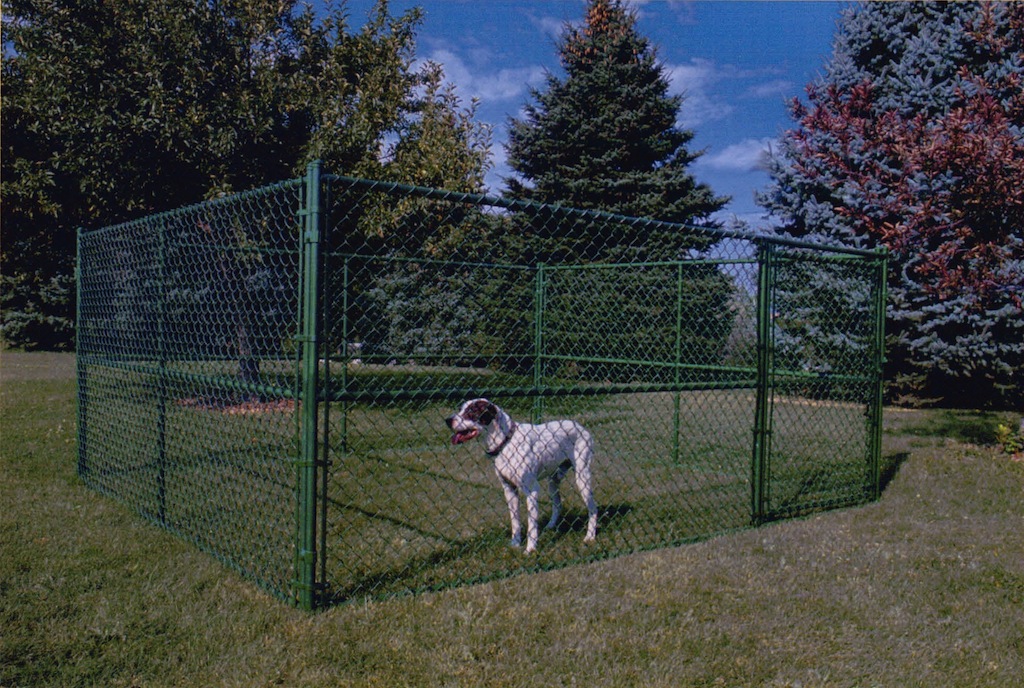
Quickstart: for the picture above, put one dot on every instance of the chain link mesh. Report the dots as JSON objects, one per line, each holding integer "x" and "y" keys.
{"x": 187, "y": 375}
{"x": 270, "y": 380}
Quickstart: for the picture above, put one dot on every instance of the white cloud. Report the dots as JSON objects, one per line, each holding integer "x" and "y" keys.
{"x": 771, "y": 89}
{"x": 696, "y": 75}
{"x": 682, "y": 9}
{"x": 695, "y": 81}
{"x": 499, "y": 171}
{"x": 709, "y": 88}
{"x": 748, "y": 155}
{"x": 474, "y": 82}
{"x": 552, "y": 27}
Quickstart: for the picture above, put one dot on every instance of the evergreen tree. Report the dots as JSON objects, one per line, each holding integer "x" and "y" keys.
{"x": 913, "y": 139}
{"x": 605, "y": 138}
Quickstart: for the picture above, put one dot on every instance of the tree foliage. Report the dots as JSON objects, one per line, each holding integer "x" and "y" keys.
{"x": 914, "y": 140}
{"x": 605, "y": 137}
{"x": 115, "y": 110}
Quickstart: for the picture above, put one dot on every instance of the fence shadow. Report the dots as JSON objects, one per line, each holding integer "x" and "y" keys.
{"x": 890, "y": 468}
{"x": 488, "y": 556}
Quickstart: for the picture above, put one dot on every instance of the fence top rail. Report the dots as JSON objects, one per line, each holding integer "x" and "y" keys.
{"x": 344, "y": 255}
{"x": 201, "y": 206}
{"x": 569, "y": 211}
{"x": 496, "y": 202}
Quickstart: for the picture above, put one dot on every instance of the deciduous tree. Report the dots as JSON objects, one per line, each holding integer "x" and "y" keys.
{"x": 115, "y": 110}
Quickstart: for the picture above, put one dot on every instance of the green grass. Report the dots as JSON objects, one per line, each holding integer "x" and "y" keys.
{"x": 407, "y": 511}
{"x": 922, "y": 588}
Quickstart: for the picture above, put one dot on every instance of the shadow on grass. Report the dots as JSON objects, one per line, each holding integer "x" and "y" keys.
{"x": 973, "y": 427}
{"x": 486, "y": 557}
{"x": 890, "y": 468}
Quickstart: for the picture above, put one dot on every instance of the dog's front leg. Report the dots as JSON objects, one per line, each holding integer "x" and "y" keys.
{"x": 532, "y": 489}
{"x": 512, "y": 499}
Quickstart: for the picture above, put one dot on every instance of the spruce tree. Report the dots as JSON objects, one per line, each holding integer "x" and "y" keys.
{"x": 912, "y": 139}
{"x": 604, "y": 137}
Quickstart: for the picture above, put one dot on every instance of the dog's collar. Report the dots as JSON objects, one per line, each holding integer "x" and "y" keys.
{"x": 504, "y": 442}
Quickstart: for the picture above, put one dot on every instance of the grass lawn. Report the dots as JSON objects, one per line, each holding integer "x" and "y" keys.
{"x": 923, "y": 588}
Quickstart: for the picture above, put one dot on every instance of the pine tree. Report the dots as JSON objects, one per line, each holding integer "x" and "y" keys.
{"x": 913, "y": 139}
{"x": 605, "y": 138}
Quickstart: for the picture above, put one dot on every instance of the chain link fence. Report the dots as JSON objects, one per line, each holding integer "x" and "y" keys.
{"x": 268, "y": 376}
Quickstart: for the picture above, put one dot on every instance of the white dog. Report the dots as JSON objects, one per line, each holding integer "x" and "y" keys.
{"x": 525, "y": 454}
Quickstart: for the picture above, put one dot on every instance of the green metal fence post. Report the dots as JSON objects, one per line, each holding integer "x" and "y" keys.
{"x": 309, "y": 341}
{"x": 538, "y": 342}
{"x": 762, "y": 412}
{"x": 878, "y": 365}
{"x": 80, "y": 367}
{"x": 162, "y": 387}
{"x": 678, "y": 361}
{"x": 345, "y": 286}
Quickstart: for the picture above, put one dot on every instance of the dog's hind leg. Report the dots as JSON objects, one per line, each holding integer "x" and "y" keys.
{"x": 532, "y": 489}
{"x": 586, "y": 489}
{"x": 584, "y": 453}
{"x": 556, "y": 495}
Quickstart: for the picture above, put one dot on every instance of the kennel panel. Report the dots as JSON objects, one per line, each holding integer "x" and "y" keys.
{"x": 187, "y": 374}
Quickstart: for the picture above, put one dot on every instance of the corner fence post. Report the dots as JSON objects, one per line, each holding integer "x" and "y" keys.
{"x": 878, "y": 372}
{"x": 309, "y": 341}
{"x": 80, "y": 364}
{"x": 759, "y": 465}
{"x": 162, "y": 386}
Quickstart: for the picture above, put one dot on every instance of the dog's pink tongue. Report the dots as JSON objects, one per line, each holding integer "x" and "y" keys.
{"x": 465, "y": 436}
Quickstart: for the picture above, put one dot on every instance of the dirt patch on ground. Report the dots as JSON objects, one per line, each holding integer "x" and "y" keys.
{"x": 252, "y": 407}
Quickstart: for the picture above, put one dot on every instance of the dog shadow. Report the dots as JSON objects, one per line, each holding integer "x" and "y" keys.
{"x": 486, "y": 556}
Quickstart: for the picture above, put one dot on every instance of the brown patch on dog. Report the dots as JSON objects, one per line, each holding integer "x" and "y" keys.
{"x": 482, "y": 411}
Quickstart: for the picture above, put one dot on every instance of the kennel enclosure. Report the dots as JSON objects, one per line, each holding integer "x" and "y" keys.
{"x": 267, "y": 375}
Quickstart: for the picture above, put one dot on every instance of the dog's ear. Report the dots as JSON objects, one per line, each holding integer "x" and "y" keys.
{"x": 482, "y": 411}
{"x": 489, "y": 414}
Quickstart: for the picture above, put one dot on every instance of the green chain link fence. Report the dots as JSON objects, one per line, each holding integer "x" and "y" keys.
{"x": 267, "y": 375}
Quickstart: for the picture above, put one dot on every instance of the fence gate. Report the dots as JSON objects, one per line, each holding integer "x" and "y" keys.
{"x": 266, "y": 375}
{"x": 820, "y": 328}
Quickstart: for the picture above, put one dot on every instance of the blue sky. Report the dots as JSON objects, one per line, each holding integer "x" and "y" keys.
{"x": 736, "y": 64}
